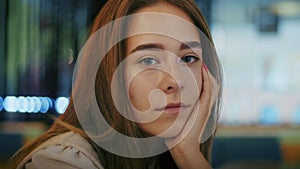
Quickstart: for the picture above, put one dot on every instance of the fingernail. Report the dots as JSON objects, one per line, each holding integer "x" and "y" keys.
{"x": 205, "y": 67}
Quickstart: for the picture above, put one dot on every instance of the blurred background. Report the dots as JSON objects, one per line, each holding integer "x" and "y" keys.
{"x": 257, "y": 41}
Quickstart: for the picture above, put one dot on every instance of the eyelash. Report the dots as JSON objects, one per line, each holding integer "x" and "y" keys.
{"x": 144, "y": 60}
{"x": 182, "y": 59}
{"x": 196, "y": 59}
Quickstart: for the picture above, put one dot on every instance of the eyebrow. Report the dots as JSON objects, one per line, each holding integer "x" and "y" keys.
{"x": 189, "y": 45}
{"x": 149, "y": 46}
{"x": 158, "y": 46}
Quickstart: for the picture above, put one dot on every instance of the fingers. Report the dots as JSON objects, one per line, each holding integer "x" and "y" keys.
{"x": 210, "y": 87}
{"x": 208, "y": 97}
{"x": 196, "y": 122}
{"x": 205, "y": 96}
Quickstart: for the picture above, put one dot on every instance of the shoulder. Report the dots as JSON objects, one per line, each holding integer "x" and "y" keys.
{"x": 68, "y": 150}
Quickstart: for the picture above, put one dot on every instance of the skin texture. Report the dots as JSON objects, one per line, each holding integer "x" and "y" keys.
{"x": 159, "y": 73}
{"x": 165, "y": 67}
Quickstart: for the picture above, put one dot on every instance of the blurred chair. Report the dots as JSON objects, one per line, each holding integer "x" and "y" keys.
{"x": 236, "y": 149}
{"x": 9, "y": 144}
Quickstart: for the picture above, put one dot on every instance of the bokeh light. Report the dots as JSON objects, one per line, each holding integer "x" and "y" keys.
{"x": 33, "y": 104}
{"x": 23, "y": 104}
{"x": 37, "y": 104}
{"x": 61, "y": 104}
{"x": 1, "y": 103}
{"x": 30, "y": 104}
{"x": 44, "y": 105}
{"x": 11, "y": 104}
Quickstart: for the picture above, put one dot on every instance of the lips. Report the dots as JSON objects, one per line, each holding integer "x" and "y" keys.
{"x": 173, "y": 108}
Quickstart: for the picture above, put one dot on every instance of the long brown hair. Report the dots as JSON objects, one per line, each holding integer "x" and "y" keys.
{"x": 113, "y": 10}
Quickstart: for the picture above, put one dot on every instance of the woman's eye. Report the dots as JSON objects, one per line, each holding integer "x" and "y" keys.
{"x": 149, "y": 61}
{"x": 189, "y": 59}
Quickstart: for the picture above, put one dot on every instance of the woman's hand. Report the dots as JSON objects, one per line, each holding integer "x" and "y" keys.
{"x": 186, "y": 153}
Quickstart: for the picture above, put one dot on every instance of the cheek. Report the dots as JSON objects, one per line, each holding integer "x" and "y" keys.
{"x": 199, "y": 82}
{"x": 139, "y": 91}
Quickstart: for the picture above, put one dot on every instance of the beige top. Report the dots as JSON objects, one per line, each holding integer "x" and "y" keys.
{"x": 65, "y": 151}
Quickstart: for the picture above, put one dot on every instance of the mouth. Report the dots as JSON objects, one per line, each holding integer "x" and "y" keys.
{"x": 173, "y": 108}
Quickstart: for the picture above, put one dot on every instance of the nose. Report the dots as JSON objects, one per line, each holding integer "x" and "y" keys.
{"x": 169, "y": 84}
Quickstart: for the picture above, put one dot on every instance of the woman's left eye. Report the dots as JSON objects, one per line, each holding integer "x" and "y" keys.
{"x": 189, "y": 59}
{"x": 149, "y": 61}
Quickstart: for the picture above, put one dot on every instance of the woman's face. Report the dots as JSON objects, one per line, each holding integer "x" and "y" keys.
{"x": 163, "y": 75}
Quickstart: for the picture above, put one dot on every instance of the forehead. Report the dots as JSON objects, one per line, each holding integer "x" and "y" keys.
{"x": 163, "y": 19}
{"x": 151, "y": 41}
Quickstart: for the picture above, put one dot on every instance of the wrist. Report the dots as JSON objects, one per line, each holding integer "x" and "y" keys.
{"x": 189, "y": 159}
{"x": 185, "y": 150}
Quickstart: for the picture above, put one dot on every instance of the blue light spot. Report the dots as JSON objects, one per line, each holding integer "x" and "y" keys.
{"x": 61, "y": 104}
{"x": 1, "y": 103}
{"x": 37, "y": 104}
{"x": 297, "y": 116}
{"x": 23, "y": 104}
{"x": 11, "y": 104}
{"x": 44, "y": 105}
{"x": 269, "y": 115}
{"x": 50, "y": 102}
{"x": 30, "y": 104}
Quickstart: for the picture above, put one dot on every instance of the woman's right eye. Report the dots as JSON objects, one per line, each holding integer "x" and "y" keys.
{"x": 148, "y": 61}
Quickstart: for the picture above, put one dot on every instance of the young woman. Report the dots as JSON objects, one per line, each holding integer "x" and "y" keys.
{"x": 161, "y": 69}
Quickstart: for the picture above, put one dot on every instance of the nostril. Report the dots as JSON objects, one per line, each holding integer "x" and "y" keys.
{"x": 170, "y": 88}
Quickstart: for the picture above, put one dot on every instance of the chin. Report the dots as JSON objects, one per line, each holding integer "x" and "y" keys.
{"x": 169, "y": 132}
{"x": 165, "y": 129}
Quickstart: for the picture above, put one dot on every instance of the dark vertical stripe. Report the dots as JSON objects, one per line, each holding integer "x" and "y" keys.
{"x": 3, "y": 16}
